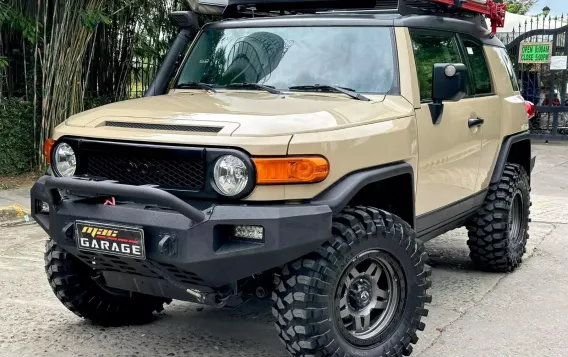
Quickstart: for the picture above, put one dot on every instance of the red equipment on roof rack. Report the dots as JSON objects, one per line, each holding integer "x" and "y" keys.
{"x": 494, "y": 11}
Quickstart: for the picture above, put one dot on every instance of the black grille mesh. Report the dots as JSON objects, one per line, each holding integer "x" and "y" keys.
{"x": 168, "y": 173}
{"x": 188, "y": 128}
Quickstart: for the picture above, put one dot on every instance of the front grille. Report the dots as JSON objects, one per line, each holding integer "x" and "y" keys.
{"x": 165, "y": 172}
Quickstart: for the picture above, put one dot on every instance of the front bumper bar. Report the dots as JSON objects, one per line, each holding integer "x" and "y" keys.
{"x": 206, "y": 253}
{"x": 110, "y": 188}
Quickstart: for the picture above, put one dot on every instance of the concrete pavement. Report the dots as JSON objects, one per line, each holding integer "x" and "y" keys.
{"x": 14, "y": 204}
{"x": 524, "y": 313}
{"x": 473, "y": 313}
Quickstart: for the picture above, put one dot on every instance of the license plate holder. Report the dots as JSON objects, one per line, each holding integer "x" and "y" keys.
{"x": 113, "y": 239}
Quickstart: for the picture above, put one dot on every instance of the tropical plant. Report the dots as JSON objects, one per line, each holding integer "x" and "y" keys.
{"x": 66, "y": 56}
{"x": 65, "y": 49}
{"x": 520, "y": 7}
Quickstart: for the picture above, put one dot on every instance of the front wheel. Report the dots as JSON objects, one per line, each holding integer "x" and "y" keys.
{"x": 361, "y": 294}
{"x": 82, "y": 291}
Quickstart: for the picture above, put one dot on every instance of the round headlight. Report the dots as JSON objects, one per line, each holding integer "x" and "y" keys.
{"x": 64, "y": 161}
{"x": 231, "y": 175}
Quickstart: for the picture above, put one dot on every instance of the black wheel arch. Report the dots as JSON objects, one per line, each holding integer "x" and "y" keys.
{"x": 388, "y": 187}
{"x": 516, "y": 149}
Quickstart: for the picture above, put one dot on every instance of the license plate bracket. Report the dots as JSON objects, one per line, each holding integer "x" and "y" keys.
{"x": 113, "y": 239}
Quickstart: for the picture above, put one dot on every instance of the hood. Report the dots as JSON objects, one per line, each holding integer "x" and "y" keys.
{"x": 241, "y": 113}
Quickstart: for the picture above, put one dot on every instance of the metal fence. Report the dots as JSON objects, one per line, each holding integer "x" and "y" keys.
{"x": 541, "y": 83}
{"x": 141, "y": 76}
{"x": 530, "y": 24}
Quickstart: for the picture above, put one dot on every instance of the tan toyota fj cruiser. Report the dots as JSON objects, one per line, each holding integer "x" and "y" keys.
{"x": 314, "y": 152}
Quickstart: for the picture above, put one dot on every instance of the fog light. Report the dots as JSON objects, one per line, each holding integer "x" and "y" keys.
{"x": 249, "y": 232}
{"x": 42, "y": 207}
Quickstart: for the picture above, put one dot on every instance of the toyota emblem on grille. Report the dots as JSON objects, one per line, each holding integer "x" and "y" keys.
{"x": 143, "y": 169}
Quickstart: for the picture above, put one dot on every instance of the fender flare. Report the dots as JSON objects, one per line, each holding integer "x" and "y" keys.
{"x": 504, "y": 154}
{"x": 339, "y": 195}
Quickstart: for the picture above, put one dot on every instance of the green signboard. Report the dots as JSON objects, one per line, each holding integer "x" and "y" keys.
{"x": 535, "y": 52}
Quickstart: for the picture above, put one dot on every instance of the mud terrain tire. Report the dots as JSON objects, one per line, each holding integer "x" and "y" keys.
{"x": 72, "y": 282}
{"x": 498, "y": 233}
{"x": 310, "y": 293}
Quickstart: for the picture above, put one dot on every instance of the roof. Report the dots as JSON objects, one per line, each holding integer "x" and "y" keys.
{"x": 491, "y": 9}
{"x": 366, "y": 18}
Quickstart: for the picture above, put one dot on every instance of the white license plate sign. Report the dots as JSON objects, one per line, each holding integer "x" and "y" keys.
{"x": 124, "y": 241}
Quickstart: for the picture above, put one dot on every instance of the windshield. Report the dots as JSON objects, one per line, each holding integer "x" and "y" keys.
{"x": 358, "y": 58}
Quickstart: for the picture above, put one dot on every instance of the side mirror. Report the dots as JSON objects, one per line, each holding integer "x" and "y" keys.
{"x": 184, "y": 19}
{"x": 449, "y": 83}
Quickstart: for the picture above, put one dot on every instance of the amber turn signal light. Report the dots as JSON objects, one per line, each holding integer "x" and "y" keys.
{"x": 291, "y": 170}
{"x": 47, "y": 147}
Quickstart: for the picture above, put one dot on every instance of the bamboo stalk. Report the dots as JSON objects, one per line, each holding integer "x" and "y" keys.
{"x": 36, "y": 53}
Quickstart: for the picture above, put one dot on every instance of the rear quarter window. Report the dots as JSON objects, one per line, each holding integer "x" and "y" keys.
{"x": 506, "y": 61}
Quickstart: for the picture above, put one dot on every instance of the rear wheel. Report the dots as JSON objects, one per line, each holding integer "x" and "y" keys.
{"x": 361, "y": 294}
{"x": 82, "y": 290}
{"x": 498, "y": 233}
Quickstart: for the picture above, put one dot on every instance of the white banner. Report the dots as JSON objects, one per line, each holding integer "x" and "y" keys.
{"x": 559, "y": 63}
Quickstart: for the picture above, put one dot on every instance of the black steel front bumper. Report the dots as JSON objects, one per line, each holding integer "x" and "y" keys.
{"x": 202, "y": 251}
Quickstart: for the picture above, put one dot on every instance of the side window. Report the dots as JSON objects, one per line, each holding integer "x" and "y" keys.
{"x": 429, "y": 49}
{"x": 506, "y": 60}
{"x": 478, "y": 68}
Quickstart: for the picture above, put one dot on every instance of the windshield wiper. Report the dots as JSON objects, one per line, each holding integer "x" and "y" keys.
{"x": 269, "y": 89}
{"x": 324, "y": 87}
{"x": 194, "y": 85}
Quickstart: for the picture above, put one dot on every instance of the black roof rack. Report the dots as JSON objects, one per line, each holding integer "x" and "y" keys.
{"x": 470, "y": 8}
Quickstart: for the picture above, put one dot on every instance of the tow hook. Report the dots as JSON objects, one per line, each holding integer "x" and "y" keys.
{"x": 219, "y": 300}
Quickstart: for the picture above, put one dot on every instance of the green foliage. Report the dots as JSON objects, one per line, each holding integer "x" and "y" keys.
{"x": 16, "y": 137}
{"x": 520, "y": 7}
{"x": 92, "y": 18}
{"x": 95, "y": 101}
{"x": 18, "y": 22}
{"x": 80, "y": 54}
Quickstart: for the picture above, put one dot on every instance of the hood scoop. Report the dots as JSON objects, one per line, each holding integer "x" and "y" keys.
{"x": 167, "y": 127}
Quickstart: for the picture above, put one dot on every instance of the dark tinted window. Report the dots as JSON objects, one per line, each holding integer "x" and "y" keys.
{"x": 360, "y": 58}
{"x": 430, "y": 49}
{"x": 506, "y": 60}
{"x": 478, "y": 67}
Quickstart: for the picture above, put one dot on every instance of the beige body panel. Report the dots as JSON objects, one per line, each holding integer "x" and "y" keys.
{"x": 258, "y": 146}
{"x": 513, "y": 117}
{"x": 455, "y": 161}
{"x": 409, "y": 87}
{"x": 353, "y": 149}
{"x": 450, "y": 160}
{"x": 449, "y": 151}
{"x": 490, "y": 109}
{"x": 239, "y": 113}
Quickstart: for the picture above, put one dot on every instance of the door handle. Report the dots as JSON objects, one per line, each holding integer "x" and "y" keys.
{"x": 475, "y": 122}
